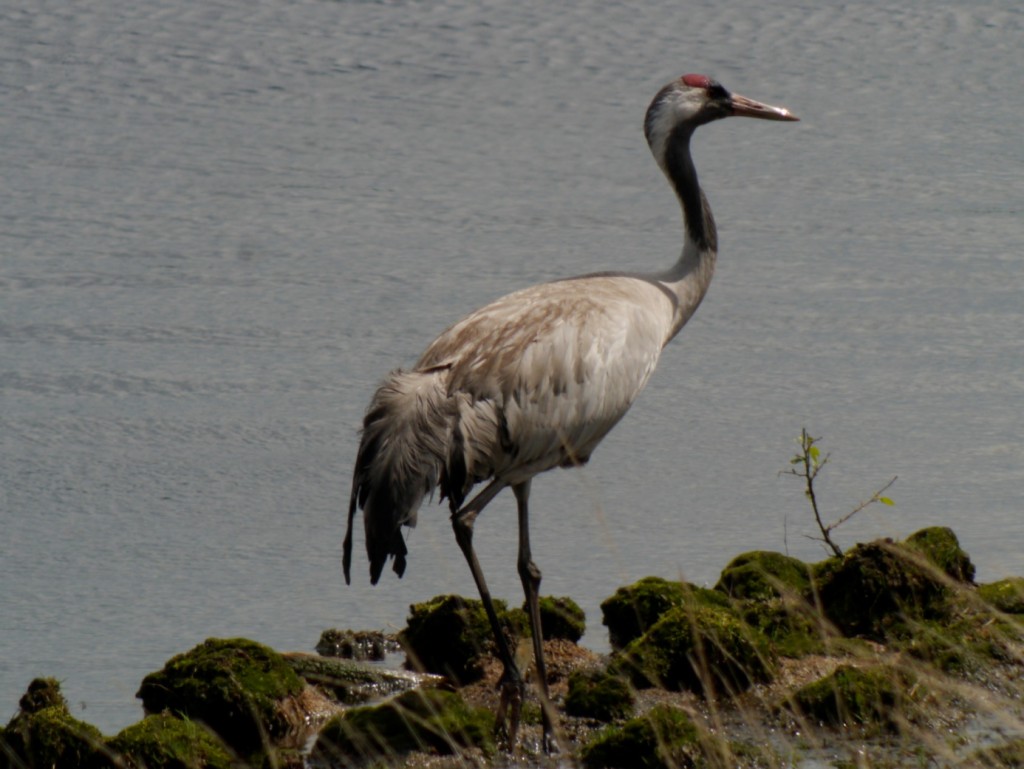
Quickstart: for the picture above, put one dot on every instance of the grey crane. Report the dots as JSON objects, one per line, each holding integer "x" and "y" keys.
{"x": 533, "y": 381}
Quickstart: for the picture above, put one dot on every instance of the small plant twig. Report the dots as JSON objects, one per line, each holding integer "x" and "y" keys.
{"x": 876, "y": 497}
{"x": 807, "y": 464}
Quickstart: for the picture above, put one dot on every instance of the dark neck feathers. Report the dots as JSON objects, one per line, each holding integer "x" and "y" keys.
{"x": 700, "y": 224}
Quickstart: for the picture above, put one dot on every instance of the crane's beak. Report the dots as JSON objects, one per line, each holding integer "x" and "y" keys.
{"x": 744, "y": 107}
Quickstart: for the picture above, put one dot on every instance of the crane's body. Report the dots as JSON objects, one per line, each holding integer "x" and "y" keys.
{"x": 529, "y": 382}
{"x": 535, "y": 380}
{"x": 543, "y": 374}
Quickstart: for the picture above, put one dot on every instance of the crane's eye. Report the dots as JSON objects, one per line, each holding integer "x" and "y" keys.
{"x": 717, "y": 91}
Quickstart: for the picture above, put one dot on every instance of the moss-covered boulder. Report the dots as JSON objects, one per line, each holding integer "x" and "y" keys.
{"x": 794, "y": 627}
{"x": 634, "y": 608}
{"x": 704, "y": 648}
{"x": 561, "y": 618}
{"x": 42, "y": 693}
{"x": 239, "y": 688}
{"x": 883, "y": 584}
{"x": 968, "y": 643}
{"x": 876, "y": 697}
{"x": 599, "y": 695}
{"x": 450, "y": 635}
{"x": 350, "y": 682}
{"x": 663, "y": 738}
{"x": 764, "y": 574}
{"x": 43, "y": 733}
{"x": 1006, "y": 595}
{"x": 942, "y": 548}
{"x": 165, "y": 741}
{"x": 356, "y": 644}
{"x": 428, "y": 720}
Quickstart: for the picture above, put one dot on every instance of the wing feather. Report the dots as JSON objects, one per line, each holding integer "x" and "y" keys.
{"x": 543, "y": 374}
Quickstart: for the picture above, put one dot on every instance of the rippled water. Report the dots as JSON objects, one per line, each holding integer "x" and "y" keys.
{"x": 222, "y": 223}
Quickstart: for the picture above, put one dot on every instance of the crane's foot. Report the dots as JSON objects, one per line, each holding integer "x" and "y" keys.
{"x": 506, "y": 720}
{"x": 549, "y": 719}
{"x": 551, "y": 746}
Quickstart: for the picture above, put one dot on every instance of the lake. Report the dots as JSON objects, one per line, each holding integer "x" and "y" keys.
{"x": 224, "y": 222}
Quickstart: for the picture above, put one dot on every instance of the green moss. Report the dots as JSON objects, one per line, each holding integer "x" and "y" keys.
{"x": 49, "y": 737}
{"x": 940, "y": 546}
{"x": 561, "y": 618}
{"x": 42, "y": 693}
{"x": 1006, "y": 595}
{"x": 966, "y": 644}
{"x": 821, "y": 573}
{"x": 794, "y": 628}
{"x": 635, "y": 608}
{"x": 763, "y": 574}
{"x": 348, "y": 681}
{"x": 421, "y": 720}
{"x": 515, "y": 621}
{"x": 598, "y": 694}
{"x": 234, "y": 686}
{"x": 356, "y": 644}
{"x": 663, "y": 738}
{"x": 166, "y": 742}
{"x": 879, "y": 585}
{"x": 450, "y": 635}
{"x": 875, "y": 697}
{"x": 531, "y": 713}
{"x": 706, "y": 649}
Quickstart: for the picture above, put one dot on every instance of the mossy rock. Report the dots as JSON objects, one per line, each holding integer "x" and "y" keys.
{"x": 165, "y": 741}
{"x": 356, "y": 644}
{"x": 882, "y": 584}
{"x": 1006, "y": 595}
{"x": 764, "y": 574}
{"x": 940, "y": 546}
{"x": 350, "y": 682}
{"x": 598, "y": 694}
{"x": 234, "y": 686}
{"x": 706, "y": 649}
{"x": 821, "y": 573}
{"x": 428, "y": 720}
{"x": 794, "y": 628}
{"x": 561, "y": 618}
{"x": 663, "y": 738}
{"x": 875, "y": 697}
{"x": 450, "y": 635}
{"x": 634, "y": 608}
{"x": 43, "y": 734}
{"x": 966, "y": 644}
{"x": 42, "y": 693}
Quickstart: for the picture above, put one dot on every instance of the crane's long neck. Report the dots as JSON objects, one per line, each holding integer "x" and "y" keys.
{"x": 689, "y": 277}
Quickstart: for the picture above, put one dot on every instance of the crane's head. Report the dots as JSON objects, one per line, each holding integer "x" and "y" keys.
{"x": 693, "y": 100}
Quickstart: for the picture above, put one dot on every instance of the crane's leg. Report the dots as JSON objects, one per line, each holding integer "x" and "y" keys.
{"x": 530, "y": 575}
{"x": 512, "y": 685}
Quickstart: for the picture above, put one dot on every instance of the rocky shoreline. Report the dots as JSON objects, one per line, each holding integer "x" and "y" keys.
{"x": 888, "y": 656}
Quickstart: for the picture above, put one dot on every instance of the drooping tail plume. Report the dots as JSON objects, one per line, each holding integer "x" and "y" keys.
{"x": 406, "y": 438}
